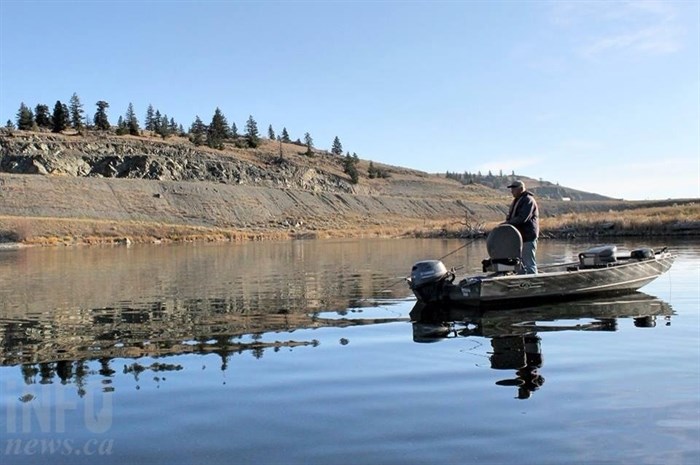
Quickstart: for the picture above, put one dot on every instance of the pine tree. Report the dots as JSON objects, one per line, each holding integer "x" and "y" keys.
{"x": 234, "y": 131}
{"x": 76, "y": 112}
{"x": 132, "y": 123}
{"x": 309, "y": 142}
{"x": 60, "y": 118}
{"x": 285, "y": 136}
{"x": 42, "y": 116}
{"x": 100, "y": 119}
{"x": 197, "y": 131}
{"x": 156, "y": 123}
{"x": 350, "y": 168}
{"x": 251, "y": 132}
{"x": 218, "y": 130}
{"x": 121, "y": 127}
{"x": 66, "y": 112}
{"x": 270, "y": 133}
{"x": 372, "y": 171}
{"x": 164, "y": 127}
{"x": 150, "y": 115}
{"x": 337, "y": 147}
{"x": 9, "y": 125}
{"x": 25, "y": 118}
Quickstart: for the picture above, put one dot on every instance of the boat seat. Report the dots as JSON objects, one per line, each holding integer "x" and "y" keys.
{"x": 500, "y": 265}
{"x": 504, "y": 245}
{"x": 504, "y": 241}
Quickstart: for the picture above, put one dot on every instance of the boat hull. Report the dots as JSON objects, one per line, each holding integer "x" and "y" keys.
{"x": 558, "y": 285}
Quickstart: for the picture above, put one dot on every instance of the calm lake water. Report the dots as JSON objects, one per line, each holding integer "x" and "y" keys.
{"x": 305, "y": 352}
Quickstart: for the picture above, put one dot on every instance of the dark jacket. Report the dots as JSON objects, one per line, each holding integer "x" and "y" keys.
{"x": 524, "y": 216}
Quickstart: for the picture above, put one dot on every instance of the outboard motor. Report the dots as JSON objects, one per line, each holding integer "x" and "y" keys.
{"x": 428, "y": 278}
{"x": 504, "y": 245}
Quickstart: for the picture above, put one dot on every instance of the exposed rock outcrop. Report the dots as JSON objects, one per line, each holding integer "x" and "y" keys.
{"x": 120, "y": 157}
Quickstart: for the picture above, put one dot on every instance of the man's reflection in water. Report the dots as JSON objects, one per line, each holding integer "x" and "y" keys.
{"x": 514, "y": 333}
{"x": 522, "y": 354}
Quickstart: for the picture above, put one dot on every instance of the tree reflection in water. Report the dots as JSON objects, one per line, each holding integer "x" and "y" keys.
{"x": 58, "y": 350}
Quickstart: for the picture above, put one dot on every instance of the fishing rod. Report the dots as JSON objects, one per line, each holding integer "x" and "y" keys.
{"x": 458, "y": 249}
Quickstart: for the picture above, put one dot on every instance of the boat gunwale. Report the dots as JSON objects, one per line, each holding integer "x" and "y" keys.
{"x": 511, "y": 277}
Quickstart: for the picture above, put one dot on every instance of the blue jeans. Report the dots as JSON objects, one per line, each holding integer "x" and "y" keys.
{"x": 529, "y": 262}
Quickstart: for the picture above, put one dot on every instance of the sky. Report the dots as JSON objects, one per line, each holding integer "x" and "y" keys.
{"x": 601, "y": 96}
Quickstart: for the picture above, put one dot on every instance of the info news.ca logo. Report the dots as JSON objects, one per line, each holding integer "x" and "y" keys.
{"x": 46, "y": 419}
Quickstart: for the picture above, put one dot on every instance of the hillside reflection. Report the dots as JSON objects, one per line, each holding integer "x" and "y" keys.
{"x": 58, "y": 346}
{"x": 157, "y": 329}
{"x": 60, "y": 309}
{"x": 514, "y": 334}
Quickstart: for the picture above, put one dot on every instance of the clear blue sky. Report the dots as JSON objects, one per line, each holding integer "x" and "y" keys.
{"x": 600, "y": 96}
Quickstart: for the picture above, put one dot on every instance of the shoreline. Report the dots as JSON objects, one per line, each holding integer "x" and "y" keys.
{"x": 22, "y": 232}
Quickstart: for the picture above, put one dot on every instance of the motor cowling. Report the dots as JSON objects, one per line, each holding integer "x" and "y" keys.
{"x": 429, "y": 279}
{"x": 427, "y": 272}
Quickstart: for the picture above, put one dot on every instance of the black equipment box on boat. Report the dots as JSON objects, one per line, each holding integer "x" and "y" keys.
{"x": 603, "y": 255}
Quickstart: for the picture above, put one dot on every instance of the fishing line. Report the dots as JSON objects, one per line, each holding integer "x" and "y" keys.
{"x": 403, "y": 278}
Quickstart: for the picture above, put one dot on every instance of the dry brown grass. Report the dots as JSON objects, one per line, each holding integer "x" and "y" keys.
{"x": 643, "y": 220}
{"x": 62, "y": 231}
{"x": 682, "y": 219}
{"x": 36, "y": 231}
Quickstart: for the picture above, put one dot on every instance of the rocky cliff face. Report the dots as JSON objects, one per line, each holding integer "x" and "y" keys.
{"x": 132, "y": 179}
{"x": 123, "y": 157}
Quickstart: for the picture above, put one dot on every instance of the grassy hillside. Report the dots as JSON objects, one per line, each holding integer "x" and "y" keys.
{"x": 97, "y": 188}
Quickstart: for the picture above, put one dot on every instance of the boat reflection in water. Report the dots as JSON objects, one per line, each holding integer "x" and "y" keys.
{"x": 514, "y": 333}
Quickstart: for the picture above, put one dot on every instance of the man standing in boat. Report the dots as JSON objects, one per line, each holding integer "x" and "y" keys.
{"x": 523, "y": 215}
